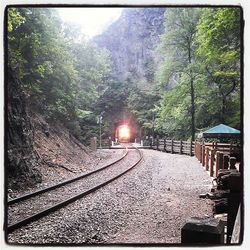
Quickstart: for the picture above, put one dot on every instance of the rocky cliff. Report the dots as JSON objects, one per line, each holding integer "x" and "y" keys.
{"x": 22, "y": 163}
{"x": 132, "y": 41}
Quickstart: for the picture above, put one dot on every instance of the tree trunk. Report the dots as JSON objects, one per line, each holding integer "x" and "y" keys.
{"x": 192, "y": 95}
{"x": 223, "y": 109}
{"x": 192, "y": 109}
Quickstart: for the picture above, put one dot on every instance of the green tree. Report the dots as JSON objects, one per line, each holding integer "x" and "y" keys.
{"x": 62, "y": 73}
{"x": 180, "y": 63}
{"x": 38, "y": 54}
{"x": 218, "y": 37}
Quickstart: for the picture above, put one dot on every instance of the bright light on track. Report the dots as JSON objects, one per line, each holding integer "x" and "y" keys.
{"x": 124, "y": 132}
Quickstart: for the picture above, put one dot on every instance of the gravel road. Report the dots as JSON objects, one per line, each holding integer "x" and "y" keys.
{"x": 149, "y": 204}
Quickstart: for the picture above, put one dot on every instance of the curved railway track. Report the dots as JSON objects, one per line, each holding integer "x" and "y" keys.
{"x": 105, "y": 172}
{"x": 63, "y": 183}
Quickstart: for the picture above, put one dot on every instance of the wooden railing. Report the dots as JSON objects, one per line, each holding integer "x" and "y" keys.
{"x": 215, "y": 156}
{"x": 173, "y": 146}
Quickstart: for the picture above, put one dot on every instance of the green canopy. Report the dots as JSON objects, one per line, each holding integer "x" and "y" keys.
{"x": 221, "y": 131}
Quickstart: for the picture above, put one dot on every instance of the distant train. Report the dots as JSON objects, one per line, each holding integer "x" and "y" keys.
{"x": 124, "y": 133}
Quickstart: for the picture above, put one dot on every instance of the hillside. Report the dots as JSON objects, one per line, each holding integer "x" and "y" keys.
{"x": 40, "y": 151}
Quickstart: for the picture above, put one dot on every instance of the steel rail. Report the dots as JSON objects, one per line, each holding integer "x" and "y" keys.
{"x": 59, "y": 205}
{"x": 41, "y": 191}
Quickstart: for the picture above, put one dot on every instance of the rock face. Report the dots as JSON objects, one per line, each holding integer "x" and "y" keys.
{"x": 22, "y": 162}
{"x": 132, "y": 41}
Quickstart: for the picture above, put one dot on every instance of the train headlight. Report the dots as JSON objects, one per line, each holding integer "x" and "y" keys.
{"x": 124, "y": 132}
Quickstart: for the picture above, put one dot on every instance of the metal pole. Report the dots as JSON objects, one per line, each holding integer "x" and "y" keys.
{"x": 100, "y": 129}
{"x": 153, "y": 125}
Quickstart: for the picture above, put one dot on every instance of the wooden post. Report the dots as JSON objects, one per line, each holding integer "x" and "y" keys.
{"x": 219, "y": 162}
{"x": 93, "y": 142}
{"x": 203, "y": 155}
{"x": 212, "y": 163}
{"x": 200, "y": 153}
{"x": 197, "y": 151}
{"x": 191, "y": 148}
{"x": 151, "y": 142}
{"x": 172, "y": 146}
{"x": 232, "y": 162}
{"x": 180, "y": 147}
{"x": 225, "y": 161}
{"x": 165, "y": 145}
{"x": 207, "y": 159}
{"x": 110, "y": 142}
{"x": 157, "y": 142}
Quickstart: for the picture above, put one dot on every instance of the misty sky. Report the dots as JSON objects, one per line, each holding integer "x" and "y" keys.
{"x": 92, "y": 20}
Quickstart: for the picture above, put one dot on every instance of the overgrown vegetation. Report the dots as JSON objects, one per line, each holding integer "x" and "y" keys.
{"x": 69, "y": 79}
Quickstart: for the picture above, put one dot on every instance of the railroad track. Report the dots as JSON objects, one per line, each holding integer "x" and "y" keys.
{"x": 30, "y": 205}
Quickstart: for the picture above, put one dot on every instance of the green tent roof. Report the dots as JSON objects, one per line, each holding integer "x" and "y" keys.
{"x": 221, "y": 131}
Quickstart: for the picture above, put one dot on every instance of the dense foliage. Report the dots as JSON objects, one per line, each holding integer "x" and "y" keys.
{"x": 200, "y": 74}
{"x": 69, "y": 79}
{"x": 62, "y": 73}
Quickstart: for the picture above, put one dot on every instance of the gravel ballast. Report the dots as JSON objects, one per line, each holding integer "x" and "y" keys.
{"x": 38, "y": 203}
{"x": 52, "y": 176}
{"x": 149, "y": 204}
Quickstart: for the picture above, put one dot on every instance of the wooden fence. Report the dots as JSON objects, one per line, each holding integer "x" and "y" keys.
{"x": 215, "y": 156}
{"x": 173, "y": 146}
